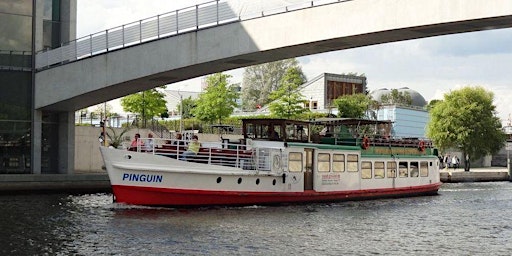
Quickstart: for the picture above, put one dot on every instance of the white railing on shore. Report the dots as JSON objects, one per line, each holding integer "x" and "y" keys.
{"x": 184, "y": 20}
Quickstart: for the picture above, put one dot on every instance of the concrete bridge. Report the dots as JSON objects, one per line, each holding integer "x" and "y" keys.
{"x": 216, "y": 40}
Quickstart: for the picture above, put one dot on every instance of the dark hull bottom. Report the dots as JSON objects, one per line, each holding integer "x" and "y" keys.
{"x": 198, "y": 198}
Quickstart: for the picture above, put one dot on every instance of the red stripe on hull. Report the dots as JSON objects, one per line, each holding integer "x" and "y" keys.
{"x": 193, "y": 198}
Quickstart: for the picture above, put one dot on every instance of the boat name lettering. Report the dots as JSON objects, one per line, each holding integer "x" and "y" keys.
{"x": 143, "y": 177}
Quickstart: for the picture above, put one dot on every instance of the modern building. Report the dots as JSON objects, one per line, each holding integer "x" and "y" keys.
{"x": 326, "y": 87}
{"x": 408, "y": 121}
{"x": 32, "y": 141}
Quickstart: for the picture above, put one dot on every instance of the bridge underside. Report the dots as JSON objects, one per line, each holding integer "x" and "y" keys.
{"x": 165, "y": 61}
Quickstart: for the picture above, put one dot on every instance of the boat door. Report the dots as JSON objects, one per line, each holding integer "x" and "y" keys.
{"x": 308, "y": 168}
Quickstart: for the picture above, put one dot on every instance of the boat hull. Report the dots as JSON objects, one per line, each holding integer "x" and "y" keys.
{"x": 195, "y": 198}
{"x": 154, "y": 180}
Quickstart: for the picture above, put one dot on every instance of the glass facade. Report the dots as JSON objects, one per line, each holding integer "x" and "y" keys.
{"x": 16, "y": 85}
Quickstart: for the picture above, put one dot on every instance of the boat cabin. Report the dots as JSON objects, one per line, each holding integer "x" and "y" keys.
{"x": 276, "y": 130}
{"x": 349, "y": 131}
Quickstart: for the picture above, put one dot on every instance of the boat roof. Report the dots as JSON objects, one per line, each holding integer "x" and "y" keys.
{"x": 347, "y": 121}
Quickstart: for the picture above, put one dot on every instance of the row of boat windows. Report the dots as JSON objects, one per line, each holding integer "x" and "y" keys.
{"x": 369, "y": 169}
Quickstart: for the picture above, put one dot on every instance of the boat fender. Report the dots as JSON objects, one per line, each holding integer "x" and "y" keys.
{"x": 284, "y": 177}
{"x": 421, "y": 146}
{"x": 366, "y": 143}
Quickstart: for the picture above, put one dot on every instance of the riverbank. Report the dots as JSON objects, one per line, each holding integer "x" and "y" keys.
{"x": 50, "y": 183}
{"x": 99, "y": 182}
{"x": 485, "y": 174}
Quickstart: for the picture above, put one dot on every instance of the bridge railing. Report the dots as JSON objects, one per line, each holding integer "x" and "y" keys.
{"x": 184, "y": 20}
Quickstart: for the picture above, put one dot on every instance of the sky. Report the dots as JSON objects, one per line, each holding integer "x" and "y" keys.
{"x": 432, "y": 66}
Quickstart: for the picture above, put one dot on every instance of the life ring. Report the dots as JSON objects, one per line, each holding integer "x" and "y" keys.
{"x": 366, "y": 143}
{"x": 421, "y": 146}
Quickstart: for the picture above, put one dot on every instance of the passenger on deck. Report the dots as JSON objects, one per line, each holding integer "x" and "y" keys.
{"x": 193, "y": 148}
{"x": 150, "y": 143}
{"x": 136, "y": 142}
{"x": 178, "y": 141}
{"x": 274, "y": 136}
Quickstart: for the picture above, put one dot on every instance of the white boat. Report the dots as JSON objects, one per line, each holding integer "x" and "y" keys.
{"x": 296, "y": 166}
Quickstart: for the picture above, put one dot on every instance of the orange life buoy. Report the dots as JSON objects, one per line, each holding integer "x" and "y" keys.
{"x": 421, "y": 146}
{"x": 366, "y": 143}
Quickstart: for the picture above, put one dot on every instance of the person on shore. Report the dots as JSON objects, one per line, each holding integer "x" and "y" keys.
{"x": 455, "y": 162}
{"x": 447, "y": 161}
{"x": 192, "y": 149}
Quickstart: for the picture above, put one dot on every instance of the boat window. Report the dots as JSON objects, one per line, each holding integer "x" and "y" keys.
{"x": 379, "y": 170}
{"x": 414, "y": 169}
{"x": 295, "y": 162}
{"x": 338, "y": 162}
{"x": 424, "y": 169}
{"x": 391, "y": 169}
{"x": 366, "y": 170}
{"x": 324, "y": 160}
{"x": 352, "y": 163}
{"x": 403, "y": 171}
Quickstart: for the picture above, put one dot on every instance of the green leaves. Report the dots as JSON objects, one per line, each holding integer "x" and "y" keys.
{"x": 147, "y": 104}
{"x": 466, "y": 119}
{"x": 353, "y": 106}
{"x": 218, "y": 101}
{"x": 261, "y": 80}
{"x": 287, "y": 101}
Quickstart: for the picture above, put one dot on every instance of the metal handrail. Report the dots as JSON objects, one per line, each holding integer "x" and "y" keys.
{"x": 194, "y": 18}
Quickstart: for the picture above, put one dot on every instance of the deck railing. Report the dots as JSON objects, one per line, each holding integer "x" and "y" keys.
{"x": 215, "y": 153}
{"x": 194, "y": 18}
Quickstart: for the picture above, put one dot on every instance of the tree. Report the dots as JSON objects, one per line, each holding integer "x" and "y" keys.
{"x": 353, "y": 106}
{"x": 396, "y": 97}
{"x": 147, "y": 104}
{"x": 188, "y": 105}
{"x": 432, "y": 104}
{"x": 466, "y": 120}
{"x": 260, "y": 80}
{"x": 218, "y": 101}
{"x": 287, "y": 101}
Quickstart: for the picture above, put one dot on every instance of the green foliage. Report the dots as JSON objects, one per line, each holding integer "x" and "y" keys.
{"x": 260, "y": 80}
{"x": 288, "y": 102}
{"x": 466, "y": 119}
{"x": 396, "y": 97}
{"x": 353, "y": 106}
{"x": 432, "y": 103}
{"x": 188, "y": 104}
{"x": 116, "y": 139}
{"x": 218, "y": 101}
{"x": 147, "y": 104}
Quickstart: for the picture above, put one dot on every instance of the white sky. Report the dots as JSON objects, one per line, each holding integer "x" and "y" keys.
{"x": 431, "y": 66}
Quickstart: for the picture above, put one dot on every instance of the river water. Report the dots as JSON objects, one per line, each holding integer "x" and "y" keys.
{"x": 464, "y": 219}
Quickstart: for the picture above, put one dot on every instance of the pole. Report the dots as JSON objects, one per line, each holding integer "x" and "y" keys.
{"x": 104, "y": 124}
{"x": 181, "y": 113}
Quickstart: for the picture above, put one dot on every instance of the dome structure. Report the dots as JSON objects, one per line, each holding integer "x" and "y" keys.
{"x": 417, "y": 98}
